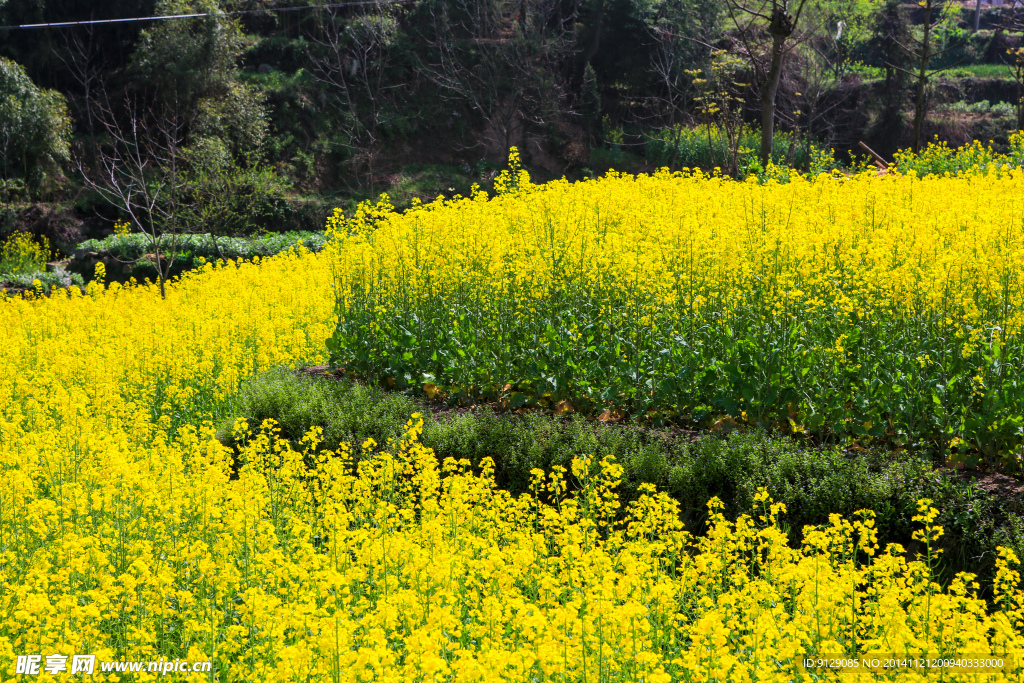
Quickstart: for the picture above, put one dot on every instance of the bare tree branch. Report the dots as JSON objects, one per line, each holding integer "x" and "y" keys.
{"x": 506, "y": 61}
{"x": 352, "y": 61}
{"x": 138, "y": 170}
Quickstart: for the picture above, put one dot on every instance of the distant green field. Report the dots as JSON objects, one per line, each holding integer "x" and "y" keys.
{"x": 979, "y": 71}
{"x": 964, "y": 71}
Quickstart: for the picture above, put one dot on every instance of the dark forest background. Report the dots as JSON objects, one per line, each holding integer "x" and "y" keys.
{"x": 252, "y": 119}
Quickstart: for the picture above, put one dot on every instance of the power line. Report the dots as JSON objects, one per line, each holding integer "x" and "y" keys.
{"x": 204, "y": 14}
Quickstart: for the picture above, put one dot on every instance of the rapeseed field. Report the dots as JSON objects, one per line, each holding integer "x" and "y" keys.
{"x": 861, "y": 310}
{"x": 129, "y": 532}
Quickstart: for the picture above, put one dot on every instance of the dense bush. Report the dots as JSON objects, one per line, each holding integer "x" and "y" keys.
{"x": 134, "y": 246}
{"x": 42, "y": 280}
{"x": 35, "y": 128}
{"x": 999, "y": 109}
{"x": 938, "y": 159}
{"x": 708, "y": 147}
{"x": 126, "y": 255}
{"x": 857, "y": 309}
{"x": 813, "y": 482}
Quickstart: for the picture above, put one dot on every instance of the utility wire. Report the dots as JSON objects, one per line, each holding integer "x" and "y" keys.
{"x": 204, "y": 14}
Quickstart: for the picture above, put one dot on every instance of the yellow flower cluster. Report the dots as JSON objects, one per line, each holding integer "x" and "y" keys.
{"x": 307, "y": 567}
{"x": 20, "y": 253}
{"x": 97, "y": 550}
{"x": 938, "y": 158}
{"x": 658, "y": 294}
{"x": 894, "y": 245}
{"x": 128, "y": 531}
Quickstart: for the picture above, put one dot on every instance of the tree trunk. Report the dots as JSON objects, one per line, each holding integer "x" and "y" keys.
{"x": 922, "y": 77}
{"x": 977, "y": 16}
{"x": 1020, "y": 101}
{"x": 216, "y": 244}
{"x": 769, "y": 90}
{"x": 160, "y": 270}
{"x": 781, "y": 27}
{"x": 579, "y": 74}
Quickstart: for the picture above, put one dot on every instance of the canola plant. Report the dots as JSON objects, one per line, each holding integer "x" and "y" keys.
{"x": 856, "y": 309}
{"x": 129, "y": 532}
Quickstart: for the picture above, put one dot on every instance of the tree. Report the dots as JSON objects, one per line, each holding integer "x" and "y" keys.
{"x": 721, "y": 106}
{"x": 204, "y": 164}
{"x": 508, "y": 60}
{"x": 1013, "y": 22}
{"x": 782, "y": 20}
{"x": 813, "y": 95}
{"x": 679, "y": 32}
{"x": 182, "y": 60}
{"x": 1017, "y": 72}
{"x": 921, "y": 50}
{"x": 139, "y": 169}
{"x": 190, "y": 66}
{"x": 922, "y": 79}
{"x": 35, "y": 129}
{"x": 352, "y": 57}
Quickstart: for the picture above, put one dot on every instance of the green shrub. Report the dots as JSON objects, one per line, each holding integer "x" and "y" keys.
{"x": 998, "y": 109}
{"x": 813, "y": 482}
{"x": 938, "y": 158}
{"x": 707, "y": 147}
{"x": 135, "y": 245}
{"x": 48, "y": 280}
{"x": 21, "y": 255}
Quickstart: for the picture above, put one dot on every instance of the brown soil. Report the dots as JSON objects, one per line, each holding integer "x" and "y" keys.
{"x": 1000, "y": 485}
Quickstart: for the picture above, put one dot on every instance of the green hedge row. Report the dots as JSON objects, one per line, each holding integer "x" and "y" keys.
{"x": 124, "y": 254}
{"x": 136, "y": 245}
{"x": 47, "y": 279}
{"x": 812, "y": 482}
